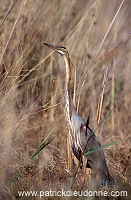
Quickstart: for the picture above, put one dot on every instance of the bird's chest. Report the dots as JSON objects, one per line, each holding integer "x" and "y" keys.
{"x": 78, "y": 133}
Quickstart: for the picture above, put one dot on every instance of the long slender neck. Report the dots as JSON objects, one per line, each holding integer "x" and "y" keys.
{"x": 68, "y": 95}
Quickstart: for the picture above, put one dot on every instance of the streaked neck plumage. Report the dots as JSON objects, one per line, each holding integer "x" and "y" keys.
{"x": 68, "y": 96}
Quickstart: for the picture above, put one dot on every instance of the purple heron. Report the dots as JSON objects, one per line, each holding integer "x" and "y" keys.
{"x": 81, "y": 136}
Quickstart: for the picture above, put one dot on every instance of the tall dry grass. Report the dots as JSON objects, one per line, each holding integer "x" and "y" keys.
{"x": 31, "y": 87}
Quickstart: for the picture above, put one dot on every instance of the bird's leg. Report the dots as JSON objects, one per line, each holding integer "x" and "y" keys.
{"x": 84, "y": 171}
{"x": 70, "y": 163}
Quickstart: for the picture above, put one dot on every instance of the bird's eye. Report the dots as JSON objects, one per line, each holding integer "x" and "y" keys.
{"x": 62, "y": 48}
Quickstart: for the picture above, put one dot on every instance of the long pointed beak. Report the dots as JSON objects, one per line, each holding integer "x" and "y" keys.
{"x": 51, "y": 46}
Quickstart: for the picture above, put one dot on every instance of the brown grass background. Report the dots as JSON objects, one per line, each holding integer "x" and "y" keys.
{"x": 31, "y": 88}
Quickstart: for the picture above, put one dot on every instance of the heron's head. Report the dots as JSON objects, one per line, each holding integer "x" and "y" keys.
{"x": 61, "y": 50}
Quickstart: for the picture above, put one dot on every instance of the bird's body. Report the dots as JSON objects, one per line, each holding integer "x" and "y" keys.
{"x": 85, "y": 141}
{"x": 82, "y": 137}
